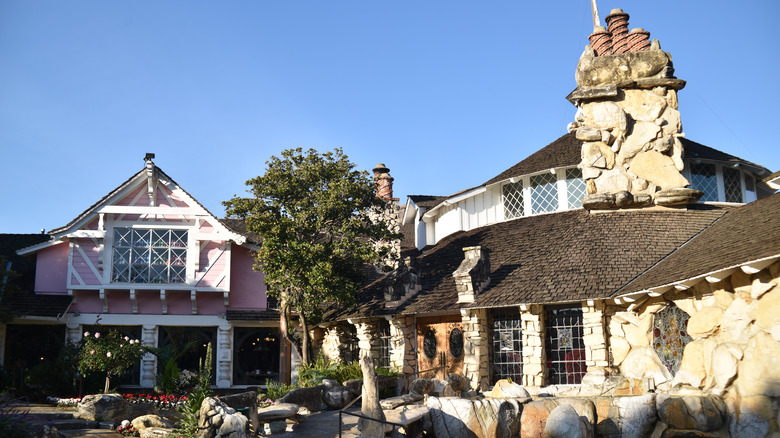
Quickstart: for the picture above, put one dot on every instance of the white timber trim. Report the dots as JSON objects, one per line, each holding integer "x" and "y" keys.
{"x": 134, "y": 209}
{"x": 72, "y": 293}
{"x": 38, "y": 247}
{"x": 194, "y": 299}
{"x": 102, "y": 295}
{"x": 88, "y": 262}
{"x": 72, "y": 273}
{"x": 164, "y": 301}
{"x": 134, "y": 300}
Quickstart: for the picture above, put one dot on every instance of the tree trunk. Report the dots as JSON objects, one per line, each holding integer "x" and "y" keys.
{"x": 284, "y": 322}
{"x": 370, "y": 403}
{"x": 306, "y": 340}
{"x": 108, "y": 380}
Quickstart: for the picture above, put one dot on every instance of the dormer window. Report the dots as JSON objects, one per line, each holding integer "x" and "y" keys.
{"x": 149, "y": 256}
{"x": 544, "y": 193}
{"x": 575, "y": 187}
{"x": 721, "y": 182}
{"x": 704, "y": 178}
{"x": 512, "y": 197}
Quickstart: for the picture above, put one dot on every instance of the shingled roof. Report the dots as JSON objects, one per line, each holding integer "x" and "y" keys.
{"x": 563, "y": 152}
{"x": 744, "y": 234}
{"x": 551, "y": 258}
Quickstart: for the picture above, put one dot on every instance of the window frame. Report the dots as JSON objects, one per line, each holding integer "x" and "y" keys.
{"x": 111, "y": 273}
{"x": 577, "y": 362}
{"x": 562, "y": 187}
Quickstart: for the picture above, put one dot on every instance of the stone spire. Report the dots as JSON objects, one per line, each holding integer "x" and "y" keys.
{"x": 628, "y": 121}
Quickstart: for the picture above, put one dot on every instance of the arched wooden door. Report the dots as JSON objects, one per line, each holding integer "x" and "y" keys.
{"x": 440, "y": 342}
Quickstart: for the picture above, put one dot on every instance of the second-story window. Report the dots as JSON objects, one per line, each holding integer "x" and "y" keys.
{"x": 704, "y": 178}
{"x": 732, "y": 183}
{"x": 544, "y": 193}
{"x": 149, "y": 256}
{"x": 512, "y": 195}
{"x": 575, "y": 187}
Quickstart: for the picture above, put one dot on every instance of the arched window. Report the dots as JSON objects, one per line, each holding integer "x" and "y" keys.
{"x": 670, "y": 336}
{"x": 456, "y": 343}
{"x": 429, "y": 344}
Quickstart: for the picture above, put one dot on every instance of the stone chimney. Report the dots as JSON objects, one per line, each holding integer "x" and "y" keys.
{"x": 628, "y": 121}
{"x": 473, "y": 274}
{"x": 401, "y": 284}
{"x": 384, "y": 182}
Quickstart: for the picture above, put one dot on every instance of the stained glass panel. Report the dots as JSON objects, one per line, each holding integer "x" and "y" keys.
{"x": 507, "y": 345}
{"x": 565, "y": 347}
{"x": 670, "y": 336}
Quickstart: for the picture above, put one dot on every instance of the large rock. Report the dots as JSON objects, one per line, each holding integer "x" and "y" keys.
{"x": 643, "y": 105}
{"x": 736, "y": 320}
{"x": 768, "y": 315}
{"x": 422, "y": 386}
{"x": 658, "y": 169}
{"x": 564, "y": 422}
{"x": 310, "y": 398}
{"x": 506, "y": 389}
{"x": 246, "y": 399}
{"x": 279, "y": 411}
{"x": 594, "y": 71}
{"x": 644, "y": 362}
{"x": 151, "y": 421}
{"x": 401, "y": 400}
{"x": 759, "y": 369}
{"x": 534, "y": 418}
{"x": 704, "y": 414}
{"x": 336, "y": 397}
{"x": 217, "y": 420}
{"x": 636, "y": 415}
{"x": 705, "y": 322}
{"x": 462, "y": 418}
{"x": 724, "y": 365}
{"x": 457, "y": 382}
{"x": 103, "y": 407}
{"x": 750, "y": 416}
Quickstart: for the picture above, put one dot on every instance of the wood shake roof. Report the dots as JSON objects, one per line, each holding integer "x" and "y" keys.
{"x": 744, "y": 234}
{"x": 551, "y": 258}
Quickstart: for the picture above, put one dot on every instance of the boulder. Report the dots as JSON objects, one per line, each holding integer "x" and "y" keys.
{"x": 506, "y": 389}
{"x": 661, "y": 170}
{"x": 401, "y": 400}
{"x": 750, "y": 416}
{"x": 422, "y": 386}
{"x": 534, "y": 418}
{"x": 759, "y": 369}
{"x": 564, "y": 422}
{"x": 154, "y": 432}
{"x": 336, "y": 397}
{"x": 279, "y": 411}
{"x": 637, "y": 416}
{"x": 704, "y": 414}
{"x": 310, "y": 398}
{"x": 457, "y": 417}
{"x": 354, "y": 386}
{"x": 149, "y": 421}
{"x": 103, "y": 407}
{"x": 442, "y": 388}
{"x": 273, "y": 427}
{"x": 217, "y": 420}
{"x": 247, "y": 399}
{"x": 457, "y": 382}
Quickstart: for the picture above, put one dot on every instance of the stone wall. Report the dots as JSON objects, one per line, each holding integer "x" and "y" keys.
{"x": 735, "y": 348}
{"x": 402, "y": 341}
{"x": 533, "y": 345}
{"x": 476, "y": 347}
{"x": 335, "y": 342}
{"x": 368, "y": 337}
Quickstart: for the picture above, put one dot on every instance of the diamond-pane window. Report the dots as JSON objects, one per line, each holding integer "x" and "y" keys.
{"x": 149, "y": 256}
{"x": 704, "y": 178}
{"x": 732, "y": 184}
{"x": 507, "y": 345}
{"x": 544, "y": 193}
{"x": 575, "y": 187}
{"x": 565, "y": 346}
{"x": 512, "y": 195}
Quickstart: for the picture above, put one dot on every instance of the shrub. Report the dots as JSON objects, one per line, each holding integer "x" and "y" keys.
{"x": 109, "y": 353}
{"x": 14, "y": 419}
{"x": 275, "y": 391}
{"x": 190, "y": 409}
{"x": 312, "y": 374}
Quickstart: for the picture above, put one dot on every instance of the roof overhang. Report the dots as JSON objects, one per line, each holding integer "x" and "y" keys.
{"x": 749, "y": 267}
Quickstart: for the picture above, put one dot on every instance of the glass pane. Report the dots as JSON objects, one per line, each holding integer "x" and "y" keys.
{"x": 429, "y": 344}
{"x": 565, "y": 347}
{"x": 122, "y": 237}
{"x": 456, "y": 343}
{"x": 507, "y": 345}
{"x": 160, "y": 238}
{"x": 732, "y": 184}
{"x": 544, "y": 193}
{"x": 178, "y": 239}
{"x": 141, "y": 238}
{"x": 178, "y": 257}
{"x": 513, "y": 200}
{"x": 703, "y": 178}
{"x": 158, "y": 274}
{"x": 139, "y": 274}
{"x": 575, "y": 187}
{"x": 160, "y": 257}
{"x": 670, "y": 327}
{"x": 178, "y": 274}
{"x": 140, "y": 256}
{"x": 121, "y": 256}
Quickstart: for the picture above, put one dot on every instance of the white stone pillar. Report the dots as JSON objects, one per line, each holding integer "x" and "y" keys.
{"x": 72, "y": 332}
{"x": 368, "y": 337}
{"x": 402, "y": 339}
{"x": 148, "y": 361}
{"x": 476, "y": 348}
{"x": 531, "y": 320}
{"x": 594, "y": 335}
{"x": 224, "y": 356}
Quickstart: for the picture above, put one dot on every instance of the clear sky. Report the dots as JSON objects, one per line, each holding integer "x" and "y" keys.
{"x": 446, "y": 93}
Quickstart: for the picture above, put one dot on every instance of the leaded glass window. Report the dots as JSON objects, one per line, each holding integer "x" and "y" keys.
{"x": 544, "y": 193}
{"x": 512, "y": 195}
{"x": 507, "y": 345}
{"x": 565, "y": 347}
{"x": 429, "y": 344}
{"x": 704, "y": 178}
{"x": 149, "y": 256}
{"x": 384, "y": 343}
{"x": 732, "y": 183}
{"x": 670, "y": 336}
{"x": 575, "y": 187}
{"x": 456, "y": 343}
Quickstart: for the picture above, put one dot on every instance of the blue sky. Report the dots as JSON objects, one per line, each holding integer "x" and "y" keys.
{"x": 446, "y": 93}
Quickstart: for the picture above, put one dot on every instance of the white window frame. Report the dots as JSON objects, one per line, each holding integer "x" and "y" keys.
{"x": 108, "y": 275}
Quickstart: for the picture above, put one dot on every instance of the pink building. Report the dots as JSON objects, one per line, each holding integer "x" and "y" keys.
{"x": 149, "y": 260}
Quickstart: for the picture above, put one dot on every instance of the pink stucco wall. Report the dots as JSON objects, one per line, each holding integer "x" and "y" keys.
{"x": 247, "y": 290}
{"x": 51, "y": 270}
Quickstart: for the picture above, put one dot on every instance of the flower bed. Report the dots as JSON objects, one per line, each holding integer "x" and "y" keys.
{"x": 163, "y": 402}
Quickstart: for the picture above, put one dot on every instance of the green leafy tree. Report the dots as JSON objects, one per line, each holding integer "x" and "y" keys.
{"x": 110, "y": 353}
{"x": 314, "y": 213}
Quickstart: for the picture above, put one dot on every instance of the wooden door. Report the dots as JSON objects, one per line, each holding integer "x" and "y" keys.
{"x": 440, "y": 342}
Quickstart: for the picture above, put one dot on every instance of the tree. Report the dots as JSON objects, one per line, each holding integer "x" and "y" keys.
{"x": 314, "y": 213}
{"x": 110, "y": 353}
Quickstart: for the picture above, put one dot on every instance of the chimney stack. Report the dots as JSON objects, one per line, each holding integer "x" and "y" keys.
{"x": 384, "y": 182}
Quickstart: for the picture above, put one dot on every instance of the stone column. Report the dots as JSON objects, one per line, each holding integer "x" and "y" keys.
{"x": 368, "y": 337}
{"x": 72, "y": 332}
{"x": 334, "y": 342}
{"x": 402, "y": 340}
{"x": 476, "y": 347}
{"x": 594, "y": 336}
{"x": 148, "y": 361}
{"x": 534, "y": 356}
{"x": 224, "y": 352}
